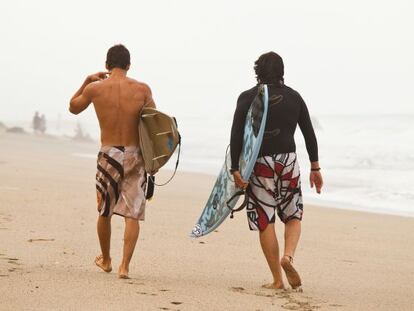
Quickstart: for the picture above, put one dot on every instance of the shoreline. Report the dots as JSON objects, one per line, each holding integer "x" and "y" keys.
{"x": 325, "y": 203}
{"x": 307, "y": 200}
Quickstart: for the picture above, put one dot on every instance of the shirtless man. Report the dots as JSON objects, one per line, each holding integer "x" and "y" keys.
{"x": 120, "y": 177}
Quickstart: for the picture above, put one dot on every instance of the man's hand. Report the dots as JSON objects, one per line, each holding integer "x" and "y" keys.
{"x": 99, "y": 76}
{"x": 239, "y": 181}
{"x": 315, "y": 178}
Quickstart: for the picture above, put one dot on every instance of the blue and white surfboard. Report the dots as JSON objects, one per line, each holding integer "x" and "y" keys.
{"x": 217, "y": 207}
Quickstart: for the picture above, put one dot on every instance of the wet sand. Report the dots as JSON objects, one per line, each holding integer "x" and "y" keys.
{"x": 348, "y": 260}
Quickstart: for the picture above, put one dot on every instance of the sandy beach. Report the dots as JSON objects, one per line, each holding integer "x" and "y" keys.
{"x": 348, "y": 260}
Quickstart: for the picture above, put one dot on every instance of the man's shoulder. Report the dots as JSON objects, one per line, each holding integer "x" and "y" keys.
{"x": 92, "y": 88}
{"x": 137, "y": 83}
{"x": 138, "y": 86}
{"x": 248, "y": 94}
{"x": 291, "y": 91}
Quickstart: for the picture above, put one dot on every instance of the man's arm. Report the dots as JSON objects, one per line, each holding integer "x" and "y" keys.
{"x": 308, "y": 132}
{"x": 149, "y": 101}
{"x": 83, "y": 97}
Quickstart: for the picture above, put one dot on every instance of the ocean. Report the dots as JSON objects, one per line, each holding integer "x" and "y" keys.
{"x": 367, "y": 161}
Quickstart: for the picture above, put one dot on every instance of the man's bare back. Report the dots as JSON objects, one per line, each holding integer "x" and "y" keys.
{"x": 118, "y": 101}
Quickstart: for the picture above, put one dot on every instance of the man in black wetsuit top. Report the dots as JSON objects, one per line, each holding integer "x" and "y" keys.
{"x": 275, "y": 183}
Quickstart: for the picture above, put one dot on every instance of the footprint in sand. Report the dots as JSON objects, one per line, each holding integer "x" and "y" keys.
{"x": 291, "y": 306}
{"x": 40, "y": 240}
{"x": 176, "y": 302}
{"x": 135, "y": 283}
{"x": 304, "y": 306}
{"x": 11, "y": 266}
{"x": 14, "y": 262}
{"x": 6, "y": 217}
{"x": 165, "y": 308}
{"x": 144, "y": 293}
{"x": 302, "y": 303}
{"x": 239, "y": 289}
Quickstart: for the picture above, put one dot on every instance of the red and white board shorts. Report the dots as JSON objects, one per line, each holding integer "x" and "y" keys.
{"x": 274, "y": 186}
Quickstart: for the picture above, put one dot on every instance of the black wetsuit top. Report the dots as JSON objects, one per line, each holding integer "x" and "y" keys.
{"x": 283, "y": 116}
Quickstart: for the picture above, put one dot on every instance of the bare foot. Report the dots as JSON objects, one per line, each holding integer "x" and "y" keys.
{"x": 274, "y": 286}
{"x": 291, "y": 274}
{"x": 123, "y": 273}
{"x": 105, "y": 266}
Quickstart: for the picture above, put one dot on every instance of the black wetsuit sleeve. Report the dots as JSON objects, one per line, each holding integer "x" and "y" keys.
{"x": 237, "y": 131}
{"x": 306, "y": 127}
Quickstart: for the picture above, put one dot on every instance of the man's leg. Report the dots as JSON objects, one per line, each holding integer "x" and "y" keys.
{"x": 292, "y": 234}
{"x": 270, "y": 247}
{"x": 130, "y": 240}
{"x": 104, "y": 233}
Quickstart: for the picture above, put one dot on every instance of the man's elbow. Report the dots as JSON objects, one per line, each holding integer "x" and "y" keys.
{"x": 72, "y": 109}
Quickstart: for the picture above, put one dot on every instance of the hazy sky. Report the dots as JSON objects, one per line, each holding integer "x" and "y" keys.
{"x": 197, "y": 56}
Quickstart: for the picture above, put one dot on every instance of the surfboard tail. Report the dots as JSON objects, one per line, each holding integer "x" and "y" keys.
{"x": 196, "y": 232}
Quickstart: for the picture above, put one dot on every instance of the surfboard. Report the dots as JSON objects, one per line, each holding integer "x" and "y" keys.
{"x": 218, "y": 206}
{"x": 158, "y": 138}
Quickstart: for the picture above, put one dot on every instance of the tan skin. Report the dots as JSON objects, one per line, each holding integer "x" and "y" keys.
{"x": 118, "y": 101}
{"x": 269, "y": 243}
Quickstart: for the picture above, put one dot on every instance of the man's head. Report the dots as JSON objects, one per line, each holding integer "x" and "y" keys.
{"x": 118, "y": 57}
{"x": 269, "y": 69}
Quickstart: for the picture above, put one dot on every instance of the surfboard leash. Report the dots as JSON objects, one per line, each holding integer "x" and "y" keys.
{"x": 152, "y": 178}
{"x": 238, "y": 193}
{"x": 242, "y": 206}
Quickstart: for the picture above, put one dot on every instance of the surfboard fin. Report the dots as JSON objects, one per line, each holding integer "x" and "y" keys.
{"x": 159, "y": 157}
{"x": 147, "y": 115}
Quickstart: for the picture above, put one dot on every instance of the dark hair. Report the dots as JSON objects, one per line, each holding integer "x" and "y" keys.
{"x": 269, "y": 69}
{"x": 118, "y": 57}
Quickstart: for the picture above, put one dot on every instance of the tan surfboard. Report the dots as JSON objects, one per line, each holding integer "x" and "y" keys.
{"x": 159, "y": 137}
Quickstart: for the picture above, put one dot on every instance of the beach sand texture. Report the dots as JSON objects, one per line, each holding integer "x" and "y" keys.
{"x": 348, "y": 260}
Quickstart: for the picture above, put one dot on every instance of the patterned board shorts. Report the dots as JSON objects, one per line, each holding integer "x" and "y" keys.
{"x": 121, "y": 182}
{"x": 274, "y": 186}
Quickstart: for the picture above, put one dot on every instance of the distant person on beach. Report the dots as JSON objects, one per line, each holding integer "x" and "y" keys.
{"x": 36, "y": 122}
{"x": 42, "y": 124}
{"x": 120, "y": 177}
{"x": 275, "y": 186}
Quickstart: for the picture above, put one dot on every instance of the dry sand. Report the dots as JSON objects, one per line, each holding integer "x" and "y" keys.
{"x": 348, "y": 260}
